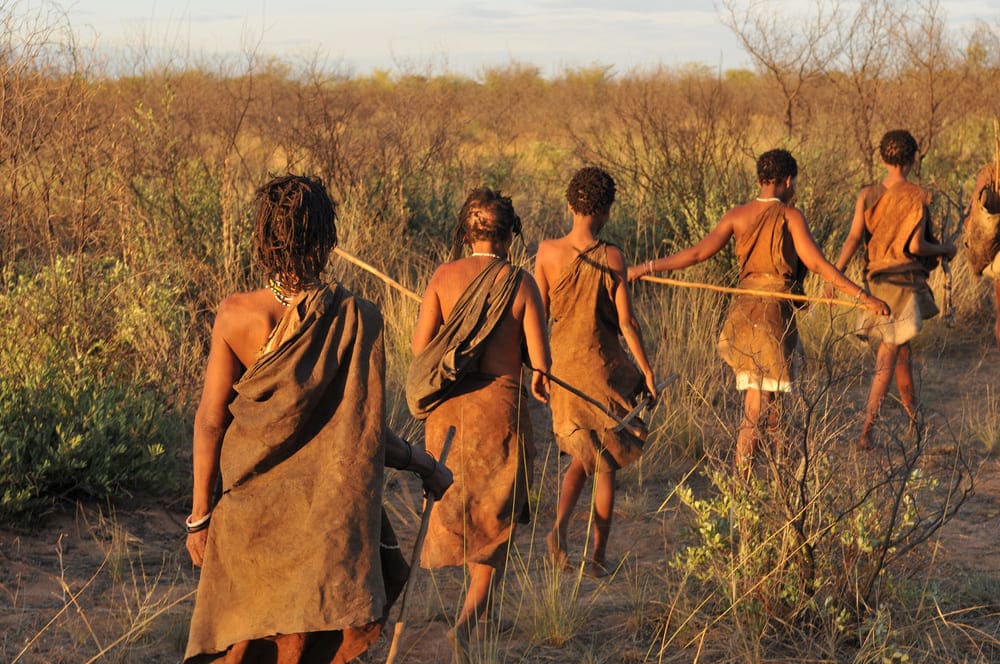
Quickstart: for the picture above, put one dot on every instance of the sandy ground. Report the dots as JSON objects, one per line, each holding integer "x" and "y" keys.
{"x": 80, "y": 579}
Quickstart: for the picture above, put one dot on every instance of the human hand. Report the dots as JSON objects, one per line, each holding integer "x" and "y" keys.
{"x": 636, "y": 271}
{"x": 651, "y": 386}
{"x": 540, "y": 386}
{"x": 829, "y": 291}
{"x": 438, "y": 481}
{"x": 874, "y": 305}
{"x": 196, "y": 546}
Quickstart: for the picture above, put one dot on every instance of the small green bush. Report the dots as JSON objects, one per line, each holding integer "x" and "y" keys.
{"x": 76, "y": 419}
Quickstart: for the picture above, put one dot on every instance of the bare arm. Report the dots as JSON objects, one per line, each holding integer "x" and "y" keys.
{"x": 626, "y": 318}
{"x": 210, "y": 424}
{"x": 429, "y": 320}
{"x": 707, "y": 247}
{"x": 542, "y": 279}
{"x": 809, "y": 253}
{"x": 920, "y": 246}
{"x": 854, "y": 235}
{"x": 536, "y": 338}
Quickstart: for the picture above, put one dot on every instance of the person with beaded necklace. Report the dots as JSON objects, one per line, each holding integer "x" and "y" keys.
{"x": 759, "y": 335}
{"x": 476, "y": 313}
{"x": 298, "y": 560}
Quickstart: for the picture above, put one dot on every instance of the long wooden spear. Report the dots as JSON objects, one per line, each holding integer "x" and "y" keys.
{"x": 418, "y": 544}
{"x": 748, "y": 291}
{"x": 378, "y": 273}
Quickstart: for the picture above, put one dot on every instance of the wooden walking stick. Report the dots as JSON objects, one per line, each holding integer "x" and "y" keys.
{"x": 418, "y": 544}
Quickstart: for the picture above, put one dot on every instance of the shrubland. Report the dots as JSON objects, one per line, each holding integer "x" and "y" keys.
{"x": 125, "y": 221}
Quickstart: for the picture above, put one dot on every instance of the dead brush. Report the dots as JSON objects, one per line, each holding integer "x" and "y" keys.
{"x": 123, "y": 612}
{"x": 799, "y": 557}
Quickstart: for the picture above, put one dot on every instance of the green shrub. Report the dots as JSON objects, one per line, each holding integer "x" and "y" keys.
{"x": 83, "y": 405}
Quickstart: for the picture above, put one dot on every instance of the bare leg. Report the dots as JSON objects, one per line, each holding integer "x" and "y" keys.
{"x": 885, "y": 364}
{"x": 569, "y": 493}
{"x": 604, "y": 506}
{"x": 748, "y": 438}
{"x": 996, "y": 327}
{"x": 477, "y": 597}
{"x": 904, "y": 382}
{"x": 775, "y": 432}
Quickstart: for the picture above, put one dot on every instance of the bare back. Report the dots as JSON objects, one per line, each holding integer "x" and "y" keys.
{"x": 247, "y": 320}
{"x": 502, "y": 355}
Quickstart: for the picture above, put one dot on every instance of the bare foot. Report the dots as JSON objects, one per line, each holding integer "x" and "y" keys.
{"x": 557, "y": 554}
{"x": 458, "y": 638}
{"x": 596, "y": 569}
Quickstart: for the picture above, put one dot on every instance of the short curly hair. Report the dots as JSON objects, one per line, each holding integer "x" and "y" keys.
{"x": 776, "y": 165}
{"x": 294, "y": 229}
{"x": 486, "y": 215}
{"x": 591, "y": 191}
{"x": 898, "y": 148}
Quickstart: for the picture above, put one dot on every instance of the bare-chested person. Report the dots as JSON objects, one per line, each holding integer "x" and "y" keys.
{"x": 891, "y": 220}
{"x": 759, "y": 335}
{"x": 582, "y": 281}
{"x": 476, "y": 313}
{"x": 297, "y": 557}
{"x": 982, "y": 233}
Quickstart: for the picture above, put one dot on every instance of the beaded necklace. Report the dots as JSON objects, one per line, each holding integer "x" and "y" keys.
{"x": 485, "y": 254}
{"x": 283, "y": 294}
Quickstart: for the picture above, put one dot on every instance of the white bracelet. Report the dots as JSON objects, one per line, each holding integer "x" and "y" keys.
{"x": 197, "y": 524}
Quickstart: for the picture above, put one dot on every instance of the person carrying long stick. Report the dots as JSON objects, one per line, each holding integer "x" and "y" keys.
{"x": 582, "y": 281}
{"x": 759, "y": 335}
{"x": 477, "y": 311}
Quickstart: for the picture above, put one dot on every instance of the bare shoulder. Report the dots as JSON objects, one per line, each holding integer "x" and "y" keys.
{"x": 794, "y": 215}
{"x": 528, "y": 283}
{"x": 237, "y": 306}
{"x": 616, "y": 257}
{"x": 548, "y": 250}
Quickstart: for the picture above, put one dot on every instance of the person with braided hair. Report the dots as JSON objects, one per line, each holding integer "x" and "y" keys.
{"x": 582, "y": 280}
{"x": 892, "y": 220}
{"x": 299, "y": 563}
{"x": 477, "y": 314}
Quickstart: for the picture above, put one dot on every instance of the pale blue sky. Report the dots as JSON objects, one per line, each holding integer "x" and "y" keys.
{"x": 462, "y": 36}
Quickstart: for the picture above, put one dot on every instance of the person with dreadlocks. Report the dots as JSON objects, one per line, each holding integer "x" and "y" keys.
{"x": 299, "y": 563}
{"x": 759, "y": 336}
{"x": 477, "y": 312}
{"x": 582, "y": 280}
{"x": 982, "y": 232}
{"x": 892, "y": 220}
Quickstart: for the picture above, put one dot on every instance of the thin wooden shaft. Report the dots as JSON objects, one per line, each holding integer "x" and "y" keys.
{"x": 623, "y": 423}
{"x": 378, "y": 273}
{"x": 748, "y": 291}
{"x": 418, "y": 544}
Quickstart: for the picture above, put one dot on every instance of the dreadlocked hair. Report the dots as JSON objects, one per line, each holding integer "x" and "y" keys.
{"x": 485, "y": 215}
{"x": 294, "y": 229}
{"x": 898, "y": 148}
{"x": 776, "y": 165}
{"x": 591, "y": 191}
